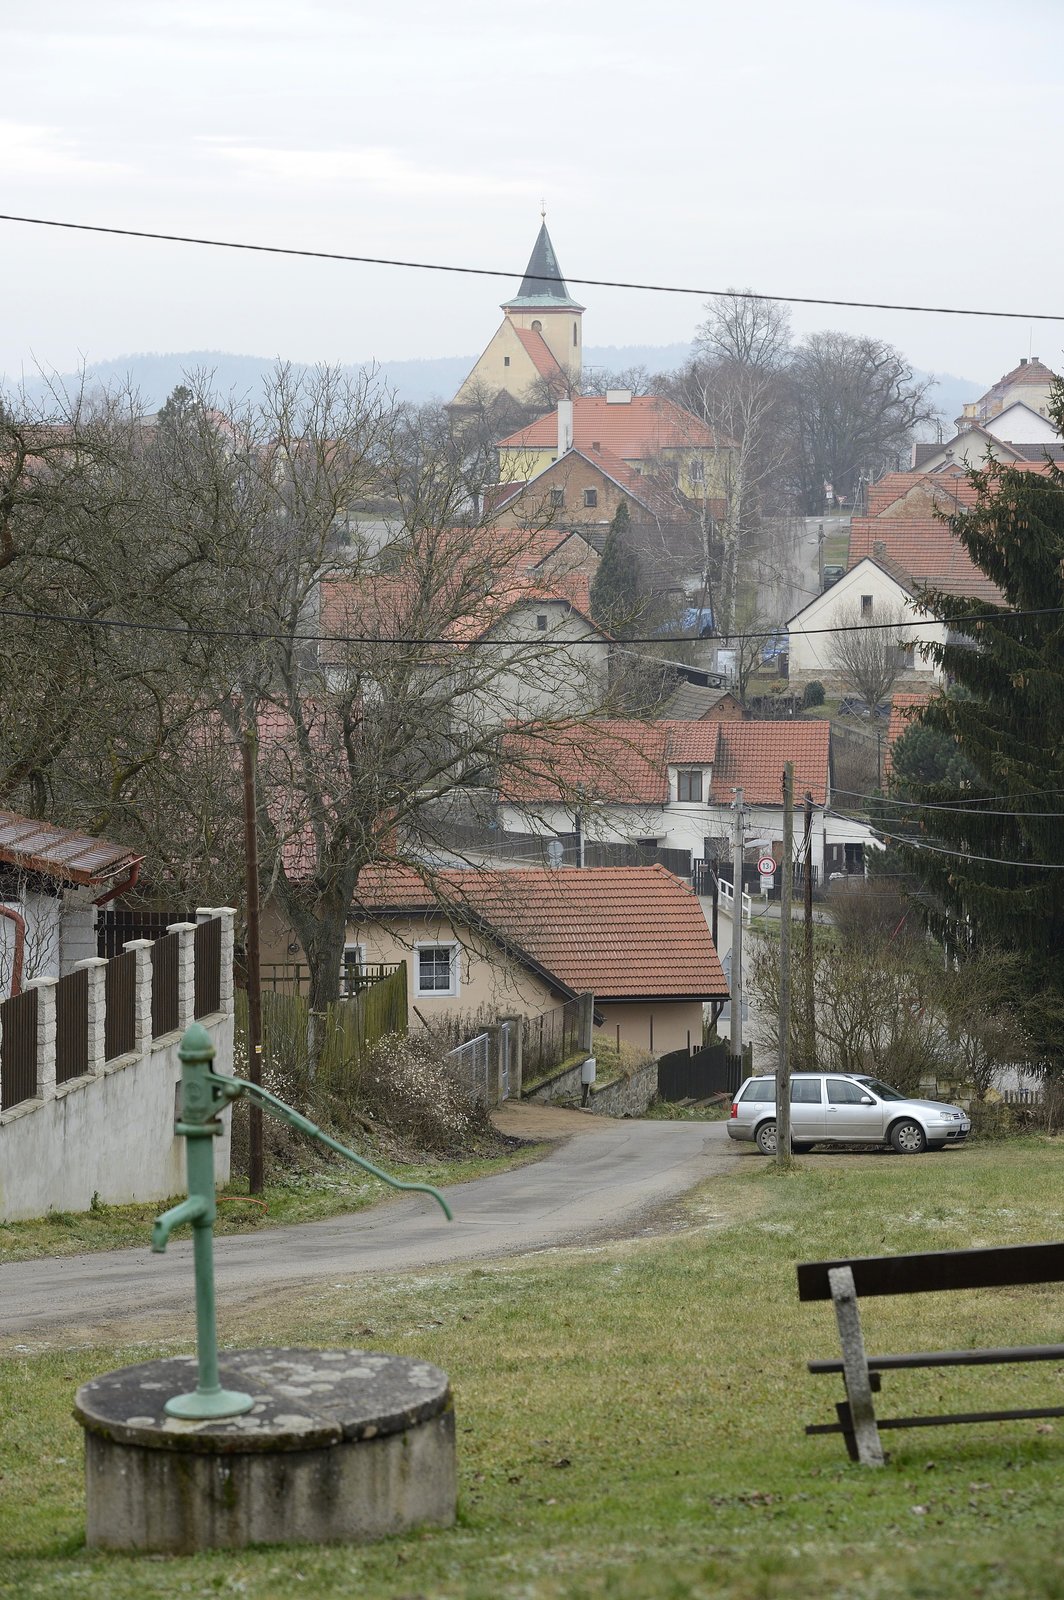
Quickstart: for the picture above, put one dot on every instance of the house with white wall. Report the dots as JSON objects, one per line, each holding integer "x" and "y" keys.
{"x": 873, "y": 591}
{"x": 673, "y": 784}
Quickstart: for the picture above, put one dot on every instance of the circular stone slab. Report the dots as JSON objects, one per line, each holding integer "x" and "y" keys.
{"x": 303, "y": 1400}
{"x": 338, "y": 1445}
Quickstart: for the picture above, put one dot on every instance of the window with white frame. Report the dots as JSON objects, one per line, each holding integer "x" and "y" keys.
{"x": 435, "y": 969}
{"x": 353, "y": 967}
{"x": 689, "y": 783}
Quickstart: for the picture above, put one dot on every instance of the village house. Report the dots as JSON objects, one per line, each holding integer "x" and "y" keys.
{"x": 521, "y": 942}
{"x": 672, "y": 785}
{"x": 1011, "y": 422}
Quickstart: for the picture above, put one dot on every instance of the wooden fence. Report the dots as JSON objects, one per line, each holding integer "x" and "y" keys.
{"x": 349, "y": 1029}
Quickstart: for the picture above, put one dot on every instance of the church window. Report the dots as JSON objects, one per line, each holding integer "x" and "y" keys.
{"x": 537, "y": 327}
{"x": 576, "y": 336}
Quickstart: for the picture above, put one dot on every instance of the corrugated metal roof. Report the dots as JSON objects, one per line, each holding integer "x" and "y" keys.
{"x": 61, "y": 853}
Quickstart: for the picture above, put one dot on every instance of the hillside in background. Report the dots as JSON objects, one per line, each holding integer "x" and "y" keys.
{"x": 155, "y": 376}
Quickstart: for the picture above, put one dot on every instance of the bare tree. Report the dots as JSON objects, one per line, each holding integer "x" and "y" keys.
{"x": 869, "y": 652}
{"x": 853, "y": 405}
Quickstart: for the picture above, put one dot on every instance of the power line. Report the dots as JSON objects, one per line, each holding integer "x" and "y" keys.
{"x": 498, "y": 272}
{"x": 966, "y": 855}
{"x": 943, "y": 805}
{"x": 194, "y": 631}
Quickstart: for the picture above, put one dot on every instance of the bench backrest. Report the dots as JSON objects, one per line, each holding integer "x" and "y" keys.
{"x": 938, "y": 1269}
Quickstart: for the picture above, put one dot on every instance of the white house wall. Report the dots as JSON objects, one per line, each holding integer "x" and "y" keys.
{"x": 810, "y": 646}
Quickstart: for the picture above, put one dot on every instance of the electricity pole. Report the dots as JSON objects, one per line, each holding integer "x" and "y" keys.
{"x": 251, "y": 857}
{"x": 737, "y": 929}
{"x": 809, "y": 1054}
{"x": 783, "y": 1070}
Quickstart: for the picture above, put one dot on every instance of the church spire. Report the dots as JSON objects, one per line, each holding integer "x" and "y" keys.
{"x": 542, "y": 285}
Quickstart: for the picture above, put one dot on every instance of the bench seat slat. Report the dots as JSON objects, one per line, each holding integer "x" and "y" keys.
{"x": 945, "y": 1421}
{"x": 994, "y": 1268}
{"x": 953, "y": 1358}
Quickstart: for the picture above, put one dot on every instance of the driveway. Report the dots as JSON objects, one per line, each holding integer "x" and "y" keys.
{"x": 602, "y": 1179}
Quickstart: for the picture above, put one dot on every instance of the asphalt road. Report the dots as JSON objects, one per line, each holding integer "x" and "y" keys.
{"x": 606, "y": 1179}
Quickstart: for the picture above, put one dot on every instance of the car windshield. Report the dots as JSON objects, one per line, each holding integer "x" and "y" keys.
{"x": 883, "y": 1090}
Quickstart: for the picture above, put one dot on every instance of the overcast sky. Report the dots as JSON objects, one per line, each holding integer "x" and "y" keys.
{"x": 901, "y": 150}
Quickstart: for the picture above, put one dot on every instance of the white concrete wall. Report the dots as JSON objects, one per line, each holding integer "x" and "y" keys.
{"x": 109, "y": 1134}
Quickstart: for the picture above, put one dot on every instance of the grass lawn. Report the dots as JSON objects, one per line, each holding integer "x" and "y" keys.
{"x": 837, "y": 547}
{"x": 630, "y": 1416}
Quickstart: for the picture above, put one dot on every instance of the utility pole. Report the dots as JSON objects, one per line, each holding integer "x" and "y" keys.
{"x": 809, "y": 1054}
{"x": 251, "y": 879}
{"x": 737, "y": 929}
{"x": 783, "y": 1070}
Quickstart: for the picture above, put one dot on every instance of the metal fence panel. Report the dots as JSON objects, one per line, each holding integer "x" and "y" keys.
{"x": 208, "y": 945}
{"x": 164, "y": 955}
{"x": 471, "y": 1064}
{"x": 18, "y": 1049}
{"x": 116, "y": 926}
{"x": 120, "y": 1022}
{"x": 72, "y": 1026}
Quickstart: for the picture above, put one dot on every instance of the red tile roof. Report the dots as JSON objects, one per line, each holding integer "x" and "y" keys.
{"x": 64, "y": 854}
{"x": 615, "y": 761}
{"x": 752, "y": 755}
{"x": 925, "y": 548}
{"x": 624, "y": 933}
{"x": 949, "y": 489}
{"x": 537, "y": 348}
{"x": 634, "y": 430}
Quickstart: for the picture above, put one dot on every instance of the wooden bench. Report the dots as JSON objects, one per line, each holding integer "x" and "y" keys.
{"x": 843, "y": 1282}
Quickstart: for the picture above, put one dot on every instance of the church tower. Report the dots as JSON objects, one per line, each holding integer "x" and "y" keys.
{"x": 539, "y": 345}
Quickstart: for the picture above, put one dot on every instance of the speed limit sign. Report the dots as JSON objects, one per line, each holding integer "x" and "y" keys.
{"x": 766, "y": 866}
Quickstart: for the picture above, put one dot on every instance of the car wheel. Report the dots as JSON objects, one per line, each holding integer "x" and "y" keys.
{"x": 908, "y": 1138}
{"x": 766, "y": 1138}
{"x": 800, "y": 1149}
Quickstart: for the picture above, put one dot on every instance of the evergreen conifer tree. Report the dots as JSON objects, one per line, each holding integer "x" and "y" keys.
{"x": 991, "y": 839}
{"x": 616, "y": 591}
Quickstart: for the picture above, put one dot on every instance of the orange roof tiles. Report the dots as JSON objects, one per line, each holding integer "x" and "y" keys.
{"x": 634, "y": 430}
{"x": 927, "y": 550}
{"x": 613, "y": 760}
{"x": 622, "y": 933}
{"x": 752, "y": 755}
{"x": 540, "y": 352}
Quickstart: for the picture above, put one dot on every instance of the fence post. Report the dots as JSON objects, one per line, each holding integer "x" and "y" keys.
{"x": 494, "y": 1033}
{"x": 96, "y": 967}
{"x": 517, "y": 1052}
{"x": 141, "y": 949}
{"x": 587, "y": 1021}
{"x": 186, "y": 971}
{"x": 227, "y": 917}
{"x": 46, "y": 1035}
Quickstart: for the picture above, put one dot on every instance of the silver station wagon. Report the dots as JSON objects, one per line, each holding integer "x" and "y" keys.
{"x": 845, "y": 1108}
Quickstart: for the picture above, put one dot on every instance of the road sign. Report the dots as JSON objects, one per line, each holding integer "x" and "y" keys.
{"x": 766, "y": 866}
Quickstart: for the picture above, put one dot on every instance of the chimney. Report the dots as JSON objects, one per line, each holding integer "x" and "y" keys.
{"x": 1023, "y": 361}
{"x": 565, "y": 427}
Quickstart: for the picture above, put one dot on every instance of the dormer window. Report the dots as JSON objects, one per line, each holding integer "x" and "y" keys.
{"x": 689, "y": 783}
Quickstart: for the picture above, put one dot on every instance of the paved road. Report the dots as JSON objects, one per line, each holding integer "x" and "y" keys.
{"x": 606, "y": 1179}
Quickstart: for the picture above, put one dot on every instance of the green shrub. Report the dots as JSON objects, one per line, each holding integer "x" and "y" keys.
{"x": 813, "y": 694}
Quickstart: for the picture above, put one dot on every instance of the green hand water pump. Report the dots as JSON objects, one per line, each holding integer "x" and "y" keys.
{"x": 204, "y": 1094}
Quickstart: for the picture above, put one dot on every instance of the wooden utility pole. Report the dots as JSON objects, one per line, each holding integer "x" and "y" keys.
{"x": 251, "y": 881}
{"x": 809, "y": 1054}
{"x": 737, "y": 929}
{"x": 783, "y": 1070}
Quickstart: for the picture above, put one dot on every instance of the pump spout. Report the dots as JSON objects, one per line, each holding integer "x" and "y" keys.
{"x": 189, "y": 1210}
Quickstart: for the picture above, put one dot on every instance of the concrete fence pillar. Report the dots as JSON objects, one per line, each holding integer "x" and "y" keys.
{"x": 46, "y": 1035}
{"x": 96, "y": 968}
{"x": 141, "y": 993}
{"x": 517, "y": 1052}
{"x": 186, "y": 971}
{"x": 587, "y": 1021}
